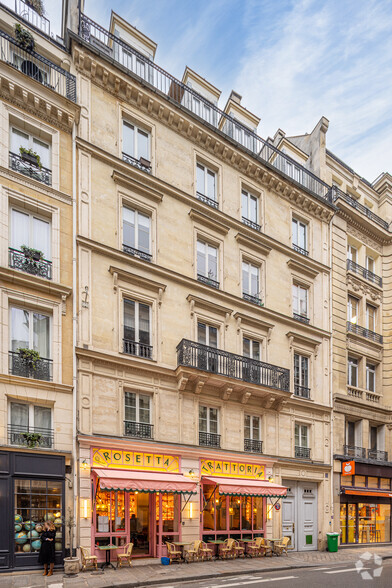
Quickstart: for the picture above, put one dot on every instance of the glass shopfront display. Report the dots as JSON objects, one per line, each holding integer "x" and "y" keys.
{"x": 365, "y": 523}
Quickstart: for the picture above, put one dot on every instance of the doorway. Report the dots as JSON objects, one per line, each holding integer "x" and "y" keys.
{"x": 299, "y": 515}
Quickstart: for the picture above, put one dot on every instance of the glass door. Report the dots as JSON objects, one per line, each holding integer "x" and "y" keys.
{"x": 139, "y": 522}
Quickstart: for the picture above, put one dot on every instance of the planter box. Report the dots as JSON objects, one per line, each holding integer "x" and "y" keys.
{"x": 32, "y": 159}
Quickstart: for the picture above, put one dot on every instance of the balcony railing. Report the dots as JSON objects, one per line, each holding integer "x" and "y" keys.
{"x": 41, "y": 174}
{"x": 303, "y": 452}
{"x": 358, "y": 330}
{"x": 354, "y": 451}
{"x": 37, "y": 67}
{"x": 32, "y": 17}
{"x": 253, "y": 446}
{"x": 363, "y": 394}
{"x": 337, "y": 193}
{"x": 139, "y": 430}
{"x": 141, "y": 163}
{"x": 20, "y": 435}
{"x": 302, "y": 318}
{"x": 40, "y": 369}
{"x": 252, "y": 299}
{"x": 139, "y": 65}
{"x": 209, "y": 439}
{"x": 210, "y": 201}
{"x": 137, "y": 253}
{"x": 300, "y": 250}
{"x": 136, "y": 348}
{"x": 301, "y": 391}
{"x": 208, "y": 281}
{"x": 377, "y": 455}
{"x": 216, "y": 361}
{"x": 251, "y": 224}
{"x": 362, "y": 271}
{"x": 18, "y": 260}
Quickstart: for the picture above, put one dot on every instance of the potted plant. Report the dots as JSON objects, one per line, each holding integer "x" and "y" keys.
{"x": 30, "y": 156}
{"x": 32, "y": 439}
{"x": 36, "y": 5}
{"x": 71, "y": 564}
{"x": 31, "y": 253}
{"x": 24, "y": 38}
{"x": 29, "y": 356}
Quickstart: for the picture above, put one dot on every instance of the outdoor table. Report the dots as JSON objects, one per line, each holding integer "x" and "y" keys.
{"x": 108, "y": 549}
{"x": 182, "y": 544}
{"x": 246, "y": 541}
{"x": 273, "y": 541}
{"x": 216, "y": 542}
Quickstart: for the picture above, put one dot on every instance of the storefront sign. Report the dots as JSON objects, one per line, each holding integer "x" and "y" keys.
{"x": 134, "y": 460}
{"x": 235, "y": 469}
{"x": 348, "y": 468}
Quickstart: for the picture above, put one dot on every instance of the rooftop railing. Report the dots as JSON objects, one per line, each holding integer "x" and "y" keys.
{"x": 150, "y": 73}
{"x": 337, "y": 193}
{"x": 32, "y": 17}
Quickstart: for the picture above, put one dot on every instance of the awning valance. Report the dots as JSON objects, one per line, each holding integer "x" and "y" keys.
{"x": 145, "y": 481}
{"x": 244, "y": 487}
{"x": 367, "y": 492}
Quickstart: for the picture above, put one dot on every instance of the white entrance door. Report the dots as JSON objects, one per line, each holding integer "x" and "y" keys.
{"x": 299, "y": 515}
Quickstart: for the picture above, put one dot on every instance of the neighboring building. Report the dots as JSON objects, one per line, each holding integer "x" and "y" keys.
{"x": 38, "y": 112}
{"x": 204, "y": 312}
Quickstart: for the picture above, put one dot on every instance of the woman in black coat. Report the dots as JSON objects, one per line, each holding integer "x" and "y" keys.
{"x": 47, "y": 551}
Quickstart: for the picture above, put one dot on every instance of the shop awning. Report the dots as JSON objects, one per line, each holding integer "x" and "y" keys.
{"x": 366, "y": 492}
{"x": 144, "y": 482}
{"x": 239, "y": 487}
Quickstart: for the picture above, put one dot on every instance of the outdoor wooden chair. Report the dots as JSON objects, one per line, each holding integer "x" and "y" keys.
{"x": 88, "y": 559}
{"x": 173, "y": 553}
{"x": 126, "y": 556}
{"x": 254, "y": 549}
{"x": 192, "y": 553}
{"x": 282, "y": 546}
{"x": 205, "y": 552}
{"x": 266, "y": 547}
{"x": 239, "y": 551}
{"x": 227, "y": 549}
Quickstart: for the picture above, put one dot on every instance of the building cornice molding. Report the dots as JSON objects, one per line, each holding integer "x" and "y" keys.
{"x": 37, "y": 384}
{"x": 254, "y": 244}
{"x": 303, "y": 269}
{"x": 35, "y": 185}
{"x": 27, "y": 281}
{"x": 363, "y": 223}
{"x": 343, "y": 401}
{"x": 208, "y": 221}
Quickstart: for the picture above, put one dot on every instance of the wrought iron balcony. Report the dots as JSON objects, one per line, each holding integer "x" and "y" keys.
{"x": 139, "y": 430}
{"x": 141, "y": 163}
{"x": 136, "y": 348}
{"x": 32, "y": 17}
{"x": 358, "y": 330}
{"x": 37, "y": 67}
{"x": 362, "y": 271}
{"x": 217, "y": 361}
{"x": 209, "y": 439}
{"x": 207, "y": 200}
{"x": 18, "y": 260}
{"x": 41, "y": 174}
{"x": 251, "y": 224}
{"x": 300, "y": 250}
{"x": 137, "y": 253}
{"x": 20, "y": 435}
{"x": 301, "y": 391}
{"x": 208, "y": 281}
{"x": 354, "y": 451}
{"x": 337, "y": 193}
{"x": 40, "y": 369}
{"x": 253, "y": 446}
{"x": 252, "y": 299}
{"x": 154, "y": 76}
{"x": 303, "y": 452}
{"x": 302, "y": 318}
{"x": 377, "y": 455}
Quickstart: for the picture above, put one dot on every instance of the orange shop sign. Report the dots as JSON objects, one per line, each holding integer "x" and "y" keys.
{"x": 348, "y": 468}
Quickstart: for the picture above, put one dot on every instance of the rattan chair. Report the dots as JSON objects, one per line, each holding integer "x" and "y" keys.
{"x": 88, "y": 559}
{"x": 205, "y": 552}
{"x": 227, "y": 549}
{"x": 173, "y": 553}
{"x": 254, "y": 549}
{"x": 281, "y": 546}
{"x": 126, "y": 556}
{"x": 239, "y": 551}
{"x": 266, "y": 547}
{"x": 192, "y": 554}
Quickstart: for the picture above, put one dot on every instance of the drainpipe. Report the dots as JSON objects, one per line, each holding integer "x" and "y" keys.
{"x": 332, "y": 521}
{"x": 74, "y": 333}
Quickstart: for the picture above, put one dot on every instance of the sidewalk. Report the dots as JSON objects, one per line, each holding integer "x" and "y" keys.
{"x": 149, "y": 572}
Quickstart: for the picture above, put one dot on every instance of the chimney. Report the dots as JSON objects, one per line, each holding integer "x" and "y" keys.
{"x": 70, "y": 22}
{"x": 235, "y": 97}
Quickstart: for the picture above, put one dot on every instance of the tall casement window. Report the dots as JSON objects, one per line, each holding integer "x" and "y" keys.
{"x": 38, "y": 168}
{"x": 137, "y": 415}
{"x": 370, "y": 264}
{"x": 207, "y": 335}
{"x": 136, "y": 146}
{"x": 251, "y": 370}
{"x": 249, "y": 210}
{"x": 350, "y": 433}
{"x": 30, "y": 243}
{"x": 302, "y": 441}
{"x": 29, "y": 418}
{"x": 300, "y": 303}
{"x": 251, "y": 283}
{"x": 370, "y": 377}
{"x": 207, "y": 264}
{"x": 137, "y": 329}
{"x": 299, "y": 236}
{"x": 352, "y": 372}
{"x": 301, "y": 375}
{"x": 30, "y": 336}
{"x": 206, "y": 185}
{"x": 371, "y": 317}
{"x": 136, "y": 233}
{"x": 352, "y": 253}
{"x": 252, "y": 434}
{"x": 352, "y": 310}
{"x": 251, "y": 348}
{"x": 209, "y": 426}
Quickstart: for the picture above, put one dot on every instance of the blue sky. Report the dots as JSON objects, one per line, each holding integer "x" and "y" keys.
{"x": 293, "y": 61}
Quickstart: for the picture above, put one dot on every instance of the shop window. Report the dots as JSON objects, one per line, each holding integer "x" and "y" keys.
{"x": 346, "y": 480}
{"x": 343, "y": 523}
{"x": 137, "y": 329}
{"x": 372, "y": 482}
{"x": 136, "y": 233}
{"x": 30, "y": 421}
{"x": 385, "y": 483}
{"x": 360, "y": 481}
{"x": 167, "y": 518}
{"x": 37, "y": 501}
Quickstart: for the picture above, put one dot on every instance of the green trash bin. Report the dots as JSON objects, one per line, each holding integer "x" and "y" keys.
{"x": 332, "y": 541}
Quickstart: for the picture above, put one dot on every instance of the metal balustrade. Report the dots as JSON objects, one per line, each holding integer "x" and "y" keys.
{"x": 377, "y": 455}
{"x": 207, "y": 200}
{"x": 137, "y": 348}
{"x": 41, "y": 174}
{"x": 136, "y": 252}
{"x": 209, "y": 359}
{"x": 252, "y": 299}
{"x": 40, "y": 369}
{"x": 300, "y": 250}
{"x": 19, "y": 435}
{"x": 139, "y": 163}
{"x": 337, "y": 193}
{"x": 354, "y": 451}
{"x": 18, "y": 260}
{"x": 32, "y": 17}
{"x": 302, "y": 452}
{"x": 208, "y": 281}
{"x": 251, "y": 224}
{"x": 253, "y": 446}
{"x": 139, "y": 430}
{"x": 358, "y": 330}
{"x": 209, "y": 439}
{"x": 301, "y": 391}
{"x": 362, "y": 271}
{"x": 301, "y": 318}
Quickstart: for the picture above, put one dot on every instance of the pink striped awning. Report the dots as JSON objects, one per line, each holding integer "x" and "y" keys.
{"x": 145, "y": 481}
{"x": 244, "y": 487}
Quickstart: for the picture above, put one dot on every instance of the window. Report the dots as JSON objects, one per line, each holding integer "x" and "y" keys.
{"x": 30, "y": 331}
{"x": 370, "y": 317}
{"x": 28, "y": 141}
{"x": 302, "y": 441}
{"x": 136, "y": 233}
{"x": 206, "y": 185}
{"x": 138, "y": 415}
{"x": 30, "y": 244}
{"x": 29, "y": 164}
{"x": 300, "y": 301}
{"x": 251, "y": 348}
{"x": 251, "y": 370}
{"x": 252, "y": 434}
{"x": 370, "y": 377}
{"x": 28, "y": 418}
{"x": 373, "y": 435}
{"x": 350, "y": 433}
{"x": 370, "y": 264}
{"x": 136, "y": 144}
{"x": 301, "y": 375}
{"x": 251, "y": 283}
{"x": 207, "y": 264}
{"x": 352, "y": 372}
{"x": 207, "y": 335}
{"x": 352, "y": 310}
{"x": 249, "y": 208}
{"x": 208, "y": 426}
{"x": 352, "y": 253}
{"x": 300, "y": 242}
{"x": 137, "y": 330}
